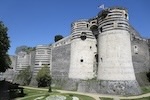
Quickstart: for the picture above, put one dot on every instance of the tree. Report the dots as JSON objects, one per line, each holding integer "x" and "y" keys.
{"x": 25, "y": 75}
{"x": 43, "y": 77}
{"x": 20, "y": 48}
{"x": 4, "y": 46}
{"x": 58, "y": 37}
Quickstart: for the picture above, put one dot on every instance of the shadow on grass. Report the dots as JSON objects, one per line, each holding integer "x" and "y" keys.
{"x": 16, "y": 95}
{"x": 10, "y": 91}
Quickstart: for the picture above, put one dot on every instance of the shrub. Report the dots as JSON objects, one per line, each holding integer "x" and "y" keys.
{"x": 43, "y": 77}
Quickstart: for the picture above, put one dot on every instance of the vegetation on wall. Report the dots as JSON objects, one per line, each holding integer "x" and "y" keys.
{"x": 4, "y": 46}
{"x": 25, "y": 75}
{"x": 25, "y": 49}
{"x": 43, "y": 77}
{"x": 58, "y": 37}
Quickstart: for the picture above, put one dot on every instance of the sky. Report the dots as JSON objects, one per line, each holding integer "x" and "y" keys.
{"x": 34, "y": 22}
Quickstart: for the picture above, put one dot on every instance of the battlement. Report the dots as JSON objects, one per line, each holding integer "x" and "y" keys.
{"x": 93, "y": 25}
{"x": 113, "y": 18}
{"x": 81, "y": 30}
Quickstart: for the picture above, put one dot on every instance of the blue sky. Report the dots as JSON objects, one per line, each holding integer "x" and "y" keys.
{"x": 33, "y": 22}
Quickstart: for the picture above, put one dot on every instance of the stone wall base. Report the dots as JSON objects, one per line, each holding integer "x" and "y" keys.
{"x": 33, "y": 82}
{"x": 129, "y": 87}
{"x": 142, "y": 79}
{"x": 110, "y": 87}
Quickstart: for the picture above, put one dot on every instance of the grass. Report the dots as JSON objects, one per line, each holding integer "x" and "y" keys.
{"x": 146, "y": 89}
{"x": 31, "y": 94}
{"x": 144, "y": 98}
{"x": 104, "y": 98}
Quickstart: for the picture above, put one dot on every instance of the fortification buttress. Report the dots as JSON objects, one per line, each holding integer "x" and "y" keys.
{"x": 114, "y": 49}
{"x": 83, "y": 49}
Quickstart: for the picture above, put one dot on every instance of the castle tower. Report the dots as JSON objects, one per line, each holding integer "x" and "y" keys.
{"x": 23, "y": 60}
{"x": 115, "y": 67}
{"x": 42, "y": 57}
{"x": 83, "y": 49}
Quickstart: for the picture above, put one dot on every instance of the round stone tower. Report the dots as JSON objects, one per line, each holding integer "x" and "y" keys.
{"x": 42, "y": 57}
{"x": 83, "y": 49}
{"x": 115, "y": 67}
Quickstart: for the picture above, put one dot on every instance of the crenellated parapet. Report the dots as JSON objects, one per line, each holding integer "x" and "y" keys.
{"x": 93, "y": 25}
{"x": 113, "y": 18}
{"x": 80, "y": 30}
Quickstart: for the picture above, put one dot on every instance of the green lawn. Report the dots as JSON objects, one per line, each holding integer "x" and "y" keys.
{"x": 104, "y": 98}
{"x": 31, "y": 94}
{"x": 145, "y": 89}
{"x": 145, "y": 98}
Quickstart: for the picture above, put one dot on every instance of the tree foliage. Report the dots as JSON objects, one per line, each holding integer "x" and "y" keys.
{"x": 4, "y": 46}
{"x": 25, "y": 75}
{"x": 58, "y": 37}
{"x": 20, "y": 48}
{"x": 24, "y": 48}
{"x": 43, "y": 77}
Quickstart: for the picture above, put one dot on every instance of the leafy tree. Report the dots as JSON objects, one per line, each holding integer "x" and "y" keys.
{"x": 20, "y": 48}
{"x": 58, "y": 37}
{"x": 24, "y": 48}
{"x": 4, "y": 46}
{"x": 43, "y": 77}
{"x": 25, "y": 75}
{"x": 28, "y": 49}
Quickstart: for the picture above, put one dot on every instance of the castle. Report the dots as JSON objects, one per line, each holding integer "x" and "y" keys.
{"x": 104, "y": 54}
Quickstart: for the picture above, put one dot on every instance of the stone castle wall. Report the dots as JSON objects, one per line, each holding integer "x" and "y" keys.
{"x": 60, "y": 64}
{"x": 141, "y": 60}
{"x": 60, "y": 61}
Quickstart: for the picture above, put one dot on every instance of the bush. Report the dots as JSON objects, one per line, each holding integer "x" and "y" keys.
{"x": 25, "y": 75}
{"x": 43, "y": 77}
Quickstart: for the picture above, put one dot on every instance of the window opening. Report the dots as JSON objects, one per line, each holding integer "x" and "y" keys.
{"x": 83, "y": 36}
{"x": 81, "y": 60}
{"x": 136, "y": 49}
{"x": 126, "y": 16}
{"x": 101, "y": 59}
{"x": 101, "y": 29}
{"x": 96, "y": 57}
{"x": 90, "y": 47}
{"x": 93, "y": 22}
{"x": 87, "y": 25}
